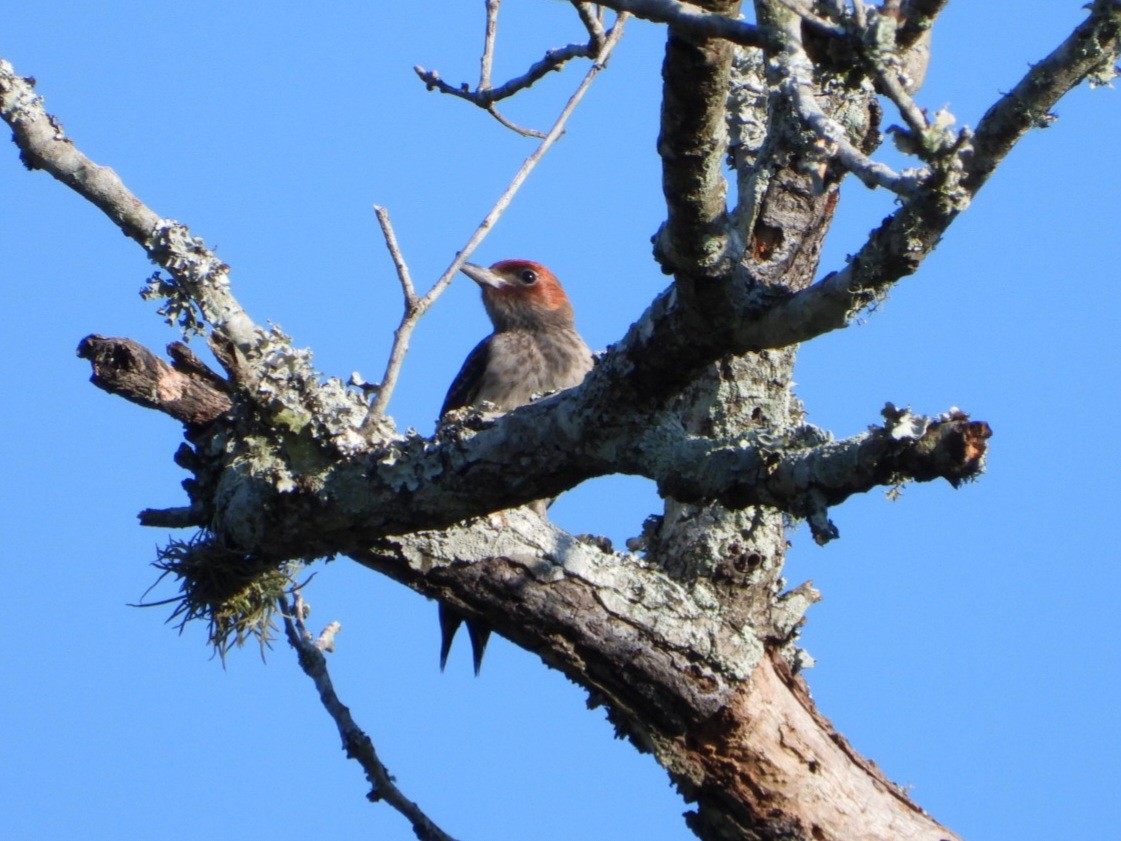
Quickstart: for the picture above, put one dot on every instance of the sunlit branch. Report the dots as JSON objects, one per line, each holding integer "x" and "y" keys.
{"x": 356, "y": 742}
{"x": 420, "y": 306}
{"x": 798, "y": 84}
{"x": 691, "y": 20}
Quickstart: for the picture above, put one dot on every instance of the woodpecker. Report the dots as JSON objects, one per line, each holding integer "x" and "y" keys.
{"x": 533, "y": 350}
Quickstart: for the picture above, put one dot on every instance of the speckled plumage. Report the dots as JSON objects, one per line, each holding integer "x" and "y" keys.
{"x": 533, "y": 350}
{"x": 509, "y": 368}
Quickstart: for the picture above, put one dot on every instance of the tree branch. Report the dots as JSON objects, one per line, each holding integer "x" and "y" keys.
{"x": 201, "y": 280}
{"x": 804, "y": 480}
{"x": 356, "y": 743}
{"x": 485, "y": 96}
{"x": 680, "y": 679}
{"x": 557, "y": 444}
{"x": 904, "y": 239}
{"x": 682, "y": 676}
{"x": 697, "y": 239}
{"x": 798, "y": 85}
{"x": 129, "y": 370}
{"x": 696, "y": 21}
{"x": 416, "y": 307}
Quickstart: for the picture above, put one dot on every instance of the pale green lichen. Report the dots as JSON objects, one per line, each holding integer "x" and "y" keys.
{"x": 227, "y": 590}
{"x": 178, "y": 308}
{"x": 1103, "y": 75}
{"x": 194, "y": 270}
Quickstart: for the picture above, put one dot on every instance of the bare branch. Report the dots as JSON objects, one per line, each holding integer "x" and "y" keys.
{"x": 201, "y": 280}
{"x": 356, "y": 742}
{"x": 487, "y": 61}
{"x": 485, "y": 97}
{"x": 899, "y": 245}
{"x": 395, "y": 254}
{"x": 798, "y": 85}
{"x": 690, "y": 20}
{"x": 408, "y": 323}
{"x": 129, "y": 370}
{"x": 591, "y": 15}
{"x": 892, "y": 85}
{"x": 514, "y": 127}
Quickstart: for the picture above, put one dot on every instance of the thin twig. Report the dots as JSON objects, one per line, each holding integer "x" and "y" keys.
{"x": 395, "y": 253}
{"x": 591, "y": 15}
{"x": 514, "y": 127}
{"x": 356, "y": 742}
{"x": 484, "y": 97}
{"x": 487, "y": 62}
{"x": 403, "y": 333}
{"x": 798, "y": 85}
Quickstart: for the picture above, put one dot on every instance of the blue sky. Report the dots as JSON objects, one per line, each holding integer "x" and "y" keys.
{"x": 968, "y": 640}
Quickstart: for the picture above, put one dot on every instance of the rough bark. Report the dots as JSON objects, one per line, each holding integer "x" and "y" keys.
{"x": 692, "y": 644}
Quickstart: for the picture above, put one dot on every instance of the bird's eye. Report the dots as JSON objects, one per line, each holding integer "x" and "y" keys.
{"x": 528, "y": 277}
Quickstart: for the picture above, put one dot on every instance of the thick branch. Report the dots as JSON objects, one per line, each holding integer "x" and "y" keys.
{"x": 697, "y": 239}
{"x": 799, "y": 480}
{"x": 679, "y": 678}
{"x": 904, "y": 239}
{"x": 417, "y": 484}
{"x": 129, "y": 370}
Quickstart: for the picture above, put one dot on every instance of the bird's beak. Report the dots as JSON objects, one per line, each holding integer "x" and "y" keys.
{"x": 484, "y": 276}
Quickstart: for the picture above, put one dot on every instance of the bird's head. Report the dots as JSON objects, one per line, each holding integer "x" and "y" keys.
{"x": 521, "y": 294}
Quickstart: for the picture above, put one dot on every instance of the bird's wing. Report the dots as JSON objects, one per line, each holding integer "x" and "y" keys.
{"x": 465, "y": 387}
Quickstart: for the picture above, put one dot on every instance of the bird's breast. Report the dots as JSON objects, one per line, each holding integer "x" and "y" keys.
{"x": 523, "y": 364}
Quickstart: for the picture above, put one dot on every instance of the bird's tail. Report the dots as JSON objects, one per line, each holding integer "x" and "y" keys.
{"x": 479, "y": 634}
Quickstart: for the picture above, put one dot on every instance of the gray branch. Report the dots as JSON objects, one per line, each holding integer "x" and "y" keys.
{"x": 696, "y": 21}
{"x": 201, "y": 280}
{"x": 897, "y": 248}
{"x": 484, "y": 95}
{"x": 356, "y": 742}
{"x": 697, "y": 239}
